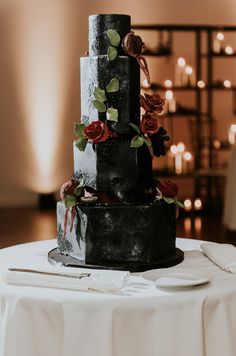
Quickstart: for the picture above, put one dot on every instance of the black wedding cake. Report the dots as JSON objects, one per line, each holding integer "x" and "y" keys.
{"x": 113, "y": 214}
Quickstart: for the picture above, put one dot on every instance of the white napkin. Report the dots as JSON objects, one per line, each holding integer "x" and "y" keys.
{"x": 223, "y": 255}
{"x": 98, "y": 280}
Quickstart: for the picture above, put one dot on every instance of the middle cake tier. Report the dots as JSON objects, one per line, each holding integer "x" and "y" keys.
{"x": 115, "y": 168}
{"x": 98, "y": 71}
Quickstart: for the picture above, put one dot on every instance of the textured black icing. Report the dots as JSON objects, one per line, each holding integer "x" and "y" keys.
{"x": 99, "y": 24}
{"x": 117, "y": 169}
{"x": 128, "y": 229}
{"x": 141, "y": 233}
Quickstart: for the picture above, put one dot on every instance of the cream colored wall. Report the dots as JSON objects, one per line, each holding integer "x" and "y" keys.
{"x": 47, "y": 37}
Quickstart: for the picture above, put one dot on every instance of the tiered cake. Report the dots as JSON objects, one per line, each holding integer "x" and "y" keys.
{"x": 112, "y": 213}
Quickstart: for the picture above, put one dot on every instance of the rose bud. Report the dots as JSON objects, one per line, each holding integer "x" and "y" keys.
{"x": 149, "y": 124}
{"x": 168, "y": 188}
{"x": 97, "y": 131}
{"x": 68, "y": 188}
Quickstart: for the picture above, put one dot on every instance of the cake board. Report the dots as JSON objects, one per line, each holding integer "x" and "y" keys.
{"x": 54, "y": 257}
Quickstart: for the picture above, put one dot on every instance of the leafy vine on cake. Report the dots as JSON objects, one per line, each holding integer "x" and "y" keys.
{"x": 148, "y": 132}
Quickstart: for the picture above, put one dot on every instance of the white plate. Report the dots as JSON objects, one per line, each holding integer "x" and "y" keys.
{"x": 181, "y": 278}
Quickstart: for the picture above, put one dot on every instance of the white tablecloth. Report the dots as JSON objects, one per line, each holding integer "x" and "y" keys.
{"x": 141, "y": 320}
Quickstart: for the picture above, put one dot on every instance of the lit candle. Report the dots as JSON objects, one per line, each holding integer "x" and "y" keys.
{"x": 179, "y": 158}
{"x": 218, "y": 42}
{"x": 179, "y": 71}
{"x": 190, "y": 76}
{"x": 188, "y": 204}
{"x": 231, "y": 134}
{"x": 187, "y": 156}
{"x": 168, "y": 83}
{"x": 171, "y": 154}
{"x": 197, "y": 204}
{"x": 229, "y": 50}
{"x": 170, "y": 101}
{"x": 201, "y": 84}
{"x": 227, "y": 83}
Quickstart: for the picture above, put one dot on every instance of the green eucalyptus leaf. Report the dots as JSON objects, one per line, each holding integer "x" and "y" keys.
{"x": 78, "y": 129}
{"x": 69, "y": 201}
{"x": 99, "y": 105}
{"x": 135, "y": 127}
{"x": 113, "y": 86}
{"x": 169, "y": 200}
{"x": 179, "y": 204}
{"x": 111, "y": 53}
{"x": 112, "y": 114}
{"x": 81, "y": 143}
{"x": 99, "y": 94}
{"x": 137, "y": 141}
{"x": 114, "y": 37}
{"x": 78, "y": 190}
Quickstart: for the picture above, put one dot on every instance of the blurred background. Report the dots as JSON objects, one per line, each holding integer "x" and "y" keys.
{"x": 191, "y": 52}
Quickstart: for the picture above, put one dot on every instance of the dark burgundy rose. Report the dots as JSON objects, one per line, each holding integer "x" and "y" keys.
{"x": 97, "y": 131}
{"x": 168, "y": 188}
{"x": 132, "y": 44}
{"x": 152, "y": 103}
{"x": 68, "y": 188}
{"x": 149, "y": 124}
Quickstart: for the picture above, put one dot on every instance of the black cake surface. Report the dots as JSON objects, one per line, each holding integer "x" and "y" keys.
{"x": 130, "y": 227}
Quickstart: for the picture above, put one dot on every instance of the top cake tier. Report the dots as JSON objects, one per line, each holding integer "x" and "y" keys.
{"x": 98, "y": 25}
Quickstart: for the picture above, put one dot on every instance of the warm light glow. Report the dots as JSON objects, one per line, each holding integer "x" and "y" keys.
{"x": 181, "y": 61}
{"x": 145, "y": 83}
{"x": 174, "y": 149}
{"x": 181, "y": 147}
{"x": 43, "y": 75}
{"x": 188, "y": 204}
{"x": 187, "y": 156}
{"x": 189, "y": 70}
{"x": 227, "y": 83}
{"x": 229, "y": 50}
{"x": 220, "y": 36}
{"x": 233, "y": 128}
{"x": 187, "y": 224}
{"x": 169, "y": 95}
{"x": 168, "y": 83}
{"x": 198, "y": 224}
{"x": 216, "y": 144}
{"x": 197, "y": 204}
{"x": 201, "y": 84}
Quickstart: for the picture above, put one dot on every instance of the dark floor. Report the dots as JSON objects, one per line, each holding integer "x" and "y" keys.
{"x": 31, "y": 224}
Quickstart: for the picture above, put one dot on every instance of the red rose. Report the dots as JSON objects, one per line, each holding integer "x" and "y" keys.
{"x": 97, "y": 131}
{"x": 152, "y": 103}
{"x": 168, "y": 188}
{"x": 149, "y": 124}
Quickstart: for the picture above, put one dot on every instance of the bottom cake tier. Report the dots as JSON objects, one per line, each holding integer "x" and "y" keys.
{"x": 113, "y": 235}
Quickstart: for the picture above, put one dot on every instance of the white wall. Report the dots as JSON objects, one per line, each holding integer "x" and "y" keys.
{"x": 55, "y": 32}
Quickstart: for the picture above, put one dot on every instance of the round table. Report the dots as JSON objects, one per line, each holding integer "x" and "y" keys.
{"x": 139, "y": 320}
